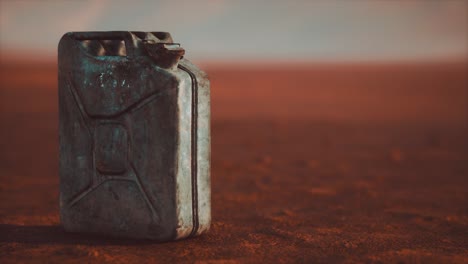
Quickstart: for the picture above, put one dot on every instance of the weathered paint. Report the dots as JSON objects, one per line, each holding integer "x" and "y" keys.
{"x": 134, "y": 136}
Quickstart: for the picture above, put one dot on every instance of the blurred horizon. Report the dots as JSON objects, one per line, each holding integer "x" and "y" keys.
{"x": 372, "y": 61}
{"x": 228, "y": 32}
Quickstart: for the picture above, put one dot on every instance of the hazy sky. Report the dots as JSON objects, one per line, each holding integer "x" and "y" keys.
{"x": 255, "y": 30}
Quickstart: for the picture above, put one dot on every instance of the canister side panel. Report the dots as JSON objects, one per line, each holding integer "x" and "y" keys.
{"x": 184, "y": 195}
{"x": 202, "y": 136}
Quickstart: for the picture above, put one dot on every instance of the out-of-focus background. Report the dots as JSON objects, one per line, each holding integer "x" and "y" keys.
{"x": 263, "y": 30}
{"x": 339, "y": 128}
{"x": 381, "y": 50}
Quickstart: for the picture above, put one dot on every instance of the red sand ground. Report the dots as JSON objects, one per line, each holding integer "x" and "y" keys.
{"x": 351, "y": 163}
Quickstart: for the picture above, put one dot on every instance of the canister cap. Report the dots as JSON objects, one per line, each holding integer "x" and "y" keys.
{"x": 165, "y": 55}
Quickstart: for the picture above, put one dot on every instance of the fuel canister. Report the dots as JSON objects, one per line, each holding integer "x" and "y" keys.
{"x": 134, "y": 134}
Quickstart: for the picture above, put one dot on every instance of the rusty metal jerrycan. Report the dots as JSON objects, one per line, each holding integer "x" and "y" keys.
{"x": 134, "y": 132}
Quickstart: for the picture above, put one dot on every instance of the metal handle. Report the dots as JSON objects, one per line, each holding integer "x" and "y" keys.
{"x": 109, "y": 35}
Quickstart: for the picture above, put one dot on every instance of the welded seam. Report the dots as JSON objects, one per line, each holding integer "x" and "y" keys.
{"x": 194, "y": 160}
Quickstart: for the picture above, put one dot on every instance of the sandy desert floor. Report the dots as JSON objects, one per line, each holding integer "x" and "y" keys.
{"x": 310, "y": 164}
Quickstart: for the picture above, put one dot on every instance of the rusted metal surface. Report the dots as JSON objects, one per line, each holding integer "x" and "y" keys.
{"x": 134, "y": 135}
